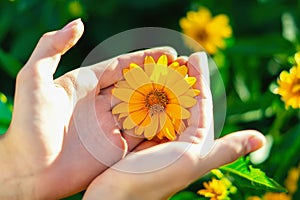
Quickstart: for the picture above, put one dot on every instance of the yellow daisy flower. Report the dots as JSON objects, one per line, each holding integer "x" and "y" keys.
{"x": 215, "y": 190}
{"x": 155, "y": 98}
{"x": 276, "y": 196}
{"x": 292, "y": 179}
{"x": 254, "y": 198}
{"x": 289, "y": 85}
{"x": 209, "y": 31}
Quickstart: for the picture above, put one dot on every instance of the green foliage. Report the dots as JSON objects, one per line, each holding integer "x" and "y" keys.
{"x": 187, "y": 195}
{"x": 5, "y": 113}
{"x": 248, "y": 177}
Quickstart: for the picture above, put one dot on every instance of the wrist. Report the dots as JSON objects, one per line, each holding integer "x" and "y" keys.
{"x": 16, "y": 182}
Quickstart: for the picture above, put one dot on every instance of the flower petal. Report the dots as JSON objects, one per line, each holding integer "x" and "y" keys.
{"x": 138, "y": 116}
{"x": 136, "y": 77}
{"x": 180, "y": 87}
{"x": 123, "y": 94}
{"x": 177, "y": 112}
{"x": 122, "y": 115}
{"x": 128, "y": 123}
{"x": 158, "y": 71}
{"x": 121, "y": 108}
{"x": 162, "y": 120}
{"x": 187, "y": 101}
{"x": 168, "y": 129}
{"x": 179, "y": 126}
{"x": 150, "y": 131}
{"x": 139, "y": 130}
{"x": 122, "y": 84}
{"x": 162, "y": 60}
{"x": 173, "y": 77}
{"x": 137, "y": 97}
{"x": 182, "y": 70}
{"x": 191, "y": 80}
{"x": 149, "y": 60}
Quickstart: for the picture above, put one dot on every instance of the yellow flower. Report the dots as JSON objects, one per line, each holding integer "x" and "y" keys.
{"x": 155, "y": 98}
{"x": 208, "y": 31}
{"x": 276, "y": 196}
{"x": 289, "y": 85}
{"x": 291, "y": 181}
{"x": 254, "y": 198}
{"x": 215, "y": 190}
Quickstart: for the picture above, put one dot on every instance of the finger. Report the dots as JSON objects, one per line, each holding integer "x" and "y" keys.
{"x": 198, "y": 67}
{"x": 111, "y": 71}
{"x": 45, "y": 57}
{"x": 201, "y": 120}
{"x": 232, "y": 146}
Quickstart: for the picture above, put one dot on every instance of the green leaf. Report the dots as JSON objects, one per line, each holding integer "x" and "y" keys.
{"x": 5, "y": 113}
{"x": 187, "y": 195}
{"x": 246, "y": 176}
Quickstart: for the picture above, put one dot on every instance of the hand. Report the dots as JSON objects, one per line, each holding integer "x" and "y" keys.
{"x": 157, "y": 171}
{"x": 42, "y": 156}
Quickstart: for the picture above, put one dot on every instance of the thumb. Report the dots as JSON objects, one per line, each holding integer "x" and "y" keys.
{"x": 46, "y": 56}
{"x": 232, "y": 146}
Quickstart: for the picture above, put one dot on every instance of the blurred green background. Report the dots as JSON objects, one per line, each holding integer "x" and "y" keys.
{"x": 265, "y": 38}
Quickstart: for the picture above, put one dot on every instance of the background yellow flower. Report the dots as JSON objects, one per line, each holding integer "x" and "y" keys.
{"x": 289, "y": 85}
{"x": 215, "y": 190}
{"x": 209, "y": 31}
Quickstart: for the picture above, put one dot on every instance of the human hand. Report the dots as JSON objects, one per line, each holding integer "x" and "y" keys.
{"x": 42, "y": 156}
{"x": 157, "y": 171}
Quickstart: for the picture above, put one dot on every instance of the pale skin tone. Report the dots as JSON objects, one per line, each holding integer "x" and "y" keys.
{"x": 41, "y": 150}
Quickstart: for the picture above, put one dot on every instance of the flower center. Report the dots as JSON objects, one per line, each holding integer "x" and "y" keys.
{"x": 296, "y": 87}
{"x": 156, "y": 101}
{"x": 202, "y": 35}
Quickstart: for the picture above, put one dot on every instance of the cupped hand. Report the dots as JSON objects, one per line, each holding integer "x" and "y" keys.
{"x": 157, "y": 171}
{"x": 45, "y": 152}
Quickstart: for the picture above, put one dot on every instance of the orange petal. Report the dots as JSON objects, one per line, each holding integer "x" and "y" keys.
{"x": 121, "y": 108}
{"x": 137, "y": 98}
{"x": 136, "y": 77}
{"x": 145, "y": 89}
{"x": 149, "y": 60}
{"x": 177, "y": 112}
{"x": 187, "y": 101}
{"x": 168, "y": 129}
{"x": 138, "y": 116}
{"x": 146, "y": 121}
{"x": 191, "y": 80}
{"x": 133, "y": 65}
{"x": 182, "y": 70}
{"x": 174, "y": 65}
{"x": 122, "y": 84}
{"x": 173, "y": 77}
{"x": 162, "y": 120}
{"x": 180, "y": 87}
{"x": 150, "y": 131}
{"x": 123, "y": 94}
{"x": 128, "y": 123}
{"x": 139, "y": 130}
{"x": 122, "y": 115}
{"x": 179, "y": 126}
{"x": 162, "y": 60}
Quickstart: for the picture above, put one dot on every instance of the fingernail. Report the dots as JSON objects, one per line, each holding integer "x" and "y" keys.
{"x": 256, "y": 142}
{"x": 72, "y": 23}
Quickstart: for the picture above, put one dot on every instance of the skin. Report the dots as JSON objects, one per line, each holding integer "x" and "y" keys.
{"x": 42, "y": 156}
{"x": 157, "y": 171}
